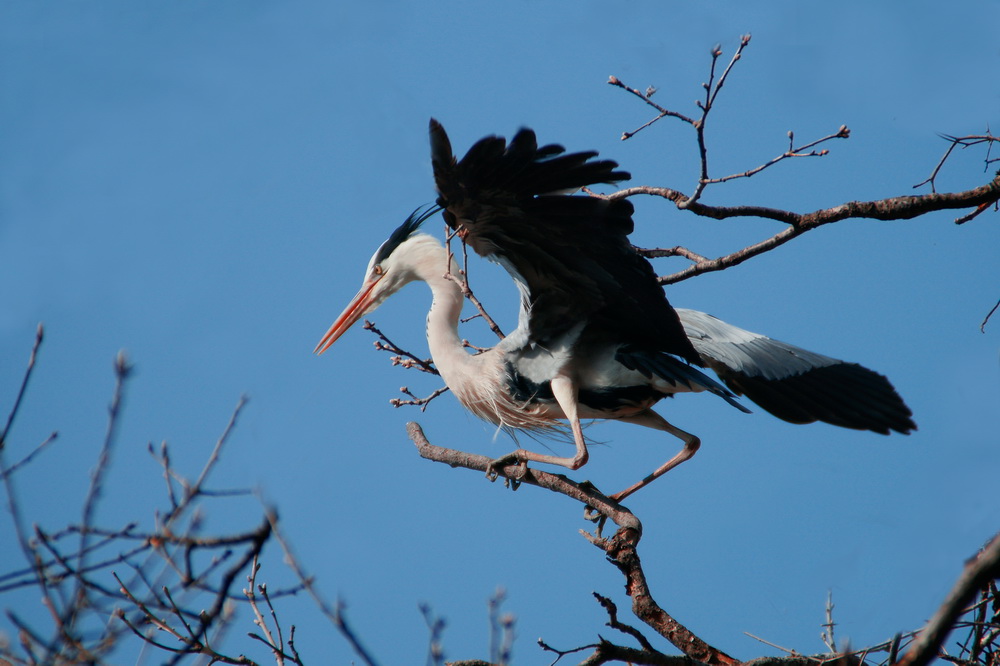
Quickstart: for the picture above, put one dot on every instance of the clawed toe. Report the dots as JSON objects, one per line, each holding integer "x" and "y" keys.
{"x": 495, "y": 469}
{"x": 589, "y": 512}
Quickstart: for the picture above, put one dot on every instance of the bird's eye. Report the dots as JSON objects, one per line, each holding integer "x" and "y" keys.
{"x": 377, "y": 269}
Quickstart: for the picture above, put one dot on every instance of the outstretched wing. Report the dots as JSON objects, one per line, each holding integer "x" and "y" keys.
{"x": 795, "y": 384}
{"x": 570, "y": 254}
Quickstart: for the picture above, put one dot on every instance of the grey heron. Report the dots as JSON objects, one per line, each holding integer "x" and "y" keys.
{"x": 596, "y": 337}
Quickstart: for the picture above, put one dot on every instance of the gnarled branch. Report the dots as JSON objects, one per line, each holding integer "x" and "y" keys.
{"x": 620, "y": 548}
{"x": 892, "y": 208}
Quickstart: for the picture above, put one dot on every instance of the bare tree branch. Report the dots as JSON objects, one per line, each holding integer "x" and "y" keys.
{"x": 39, "y": 335}
{"x": 501, "y": 630}
{"x": 410, "y": 360}
{"x": 334, "y": 613}
{"x": 620, "y": 548}
{"x": 986, "y": 319}
{"x": 583, "y": 493}
{"x": 174, "y": 568}
{"x": 414, "y": 400}
{"x": 842, "y": 133}
{"x": 961, "y": 142}
{"x": 647, "y": 98}
{"x": 893, "y": 208}
{"x": 26, "y": 460}
{"x": 462, "y": 280}
{"x": 979, "y": 571}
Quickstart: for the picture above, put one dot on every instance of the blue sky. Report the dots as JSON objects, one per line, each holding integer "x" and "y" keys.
{"x": 202, "y": 184}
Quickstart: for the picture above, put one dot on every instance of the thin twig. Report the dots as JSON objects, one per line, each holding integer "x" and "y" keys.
{"x": 435, "y": 626}
{"x": 956, "y": 142}
{"x": 676, "y": 251}
{"x": 411, "y": 360}
{"x": 496, "y": 632}
{"x": 774, "y": 645}
{"x": 613, "y": 622}
{"x": 646, "y": 97}
{"x": 163, "y": 459}
{"x": 29, "y": 457}
{"x": 711, "y": 93}
{"x": 982, "y": 326}
{"x": 277, "y": 648}
{"x": 420, "y": 402}
{"x": 827, "y": 635}
{"x": 39, "y": 335}
{"x": 842, "y": 133}
{"x": 13, "y": 504}
{"x": 462, "y": 280}
{"x": 334, "y": 613}
{"x": 193, "y": 490}
{"x": 122, "y": 370}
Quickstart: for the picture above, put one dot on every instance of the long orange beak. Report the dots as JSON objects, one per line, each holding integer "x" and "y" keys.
{"x": 353, "y": 312}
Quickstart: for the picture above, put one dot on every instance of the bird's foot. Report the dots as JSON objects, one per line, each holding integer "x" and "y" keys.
{"x": 589, "y": 512}
{"x": 593, "y": 514}
{"x": 495, "y": 469}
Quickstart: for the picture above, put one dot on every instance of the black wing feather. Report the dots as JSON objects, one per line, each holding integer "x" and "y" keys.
{"x": 795, "y": 384}
{"x": 507, "y": 202}
{"x": 846, "y": 395}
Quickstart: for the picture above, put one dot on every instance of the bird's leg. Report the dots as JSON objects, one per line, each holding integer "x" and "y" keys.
{"x": 651, "y": 419}
{"x": 565, "y": 391}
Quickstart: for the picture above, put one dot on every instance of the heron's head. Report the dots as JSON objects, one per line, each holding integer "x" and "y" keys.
{"x": 401, "y": 259}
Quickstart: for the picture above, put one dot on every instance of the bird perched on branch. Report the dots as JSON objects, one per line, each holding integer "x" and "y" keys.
{"x": 596, "y": 337}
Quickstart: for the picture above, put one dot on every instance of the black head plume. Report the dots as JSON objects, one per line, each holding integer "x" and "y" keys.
{"x": 404, "y": 231}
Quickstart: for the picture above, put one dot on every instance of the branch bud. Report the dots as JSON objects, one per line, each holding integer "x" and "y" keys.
{"x": 122, "y": 366}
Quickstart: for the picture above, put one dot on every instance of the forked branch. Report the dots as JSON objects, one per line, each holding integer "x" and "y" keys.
{"x": 712, "y": 88}
{"x": 978, "y": 199}
{"x": 620, "y": 548}
{"x": 407, "y": 360}
{"x": 962, "y": 142}
{"x": 893, "y": 208}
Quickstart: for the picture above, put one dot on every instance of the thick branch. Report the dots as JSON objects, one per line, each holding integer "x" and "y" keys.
{"x": 620, "y": 548}
{"x": 980, "y": 570}
{"x": 893, "y": 208}
{"x": 520, "y": 474}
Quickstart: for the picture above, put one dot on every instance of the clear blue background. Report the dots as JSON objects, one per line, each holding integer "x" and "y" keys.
{"x": 201, "y": 184}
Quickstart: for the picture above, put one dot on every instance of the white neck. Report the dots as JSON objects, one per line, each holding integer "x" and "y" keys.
{"x": 442, "y": 320}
